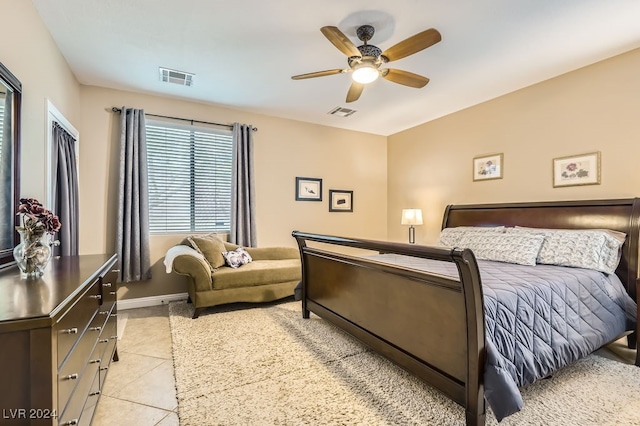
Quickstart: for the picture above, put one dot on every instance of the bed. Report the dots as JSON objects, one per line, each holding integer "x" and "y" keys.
{"x": 433, "y": 323}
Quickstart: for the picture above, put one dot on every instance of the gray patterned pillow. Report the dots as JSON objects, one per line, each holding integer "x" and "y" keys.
{"x": 236, "y": 258}
{"x": 588, "y": 248}
{"x": 509, "y": 248}
{"x": 450, "y": 237}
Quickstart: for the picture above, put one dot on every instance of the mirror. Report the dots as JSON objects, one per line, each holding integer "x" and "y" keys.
{"x": 10, "y": 99}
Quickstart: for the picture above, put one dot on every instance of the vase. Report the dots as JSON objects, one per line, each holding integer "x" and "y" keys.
{"x": 33, "y": 253}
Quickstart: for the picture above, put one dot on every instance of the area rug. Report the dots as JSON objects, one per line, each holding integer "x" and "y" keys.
{"x": 267, "y": 366}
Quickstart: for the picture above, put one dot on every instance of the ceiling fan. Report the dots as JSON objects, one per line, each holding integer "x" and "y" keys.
{"x": 365, "y": 60}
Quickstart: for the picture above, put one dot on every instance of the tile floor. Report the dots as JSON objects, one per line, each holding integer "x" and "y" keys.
{"x": 140, "y": 388}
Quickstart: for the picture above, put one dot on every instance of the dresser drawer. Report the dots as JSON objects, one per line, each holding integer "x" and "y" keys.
{"x": 109, "y": 286}
{"x": 106, "y": 343}
{"x": 90, "y": 406}
{"x": 85, "y": 352}
{"x": 73, "y": 411}
{"x": 110, "y": 337}
{"x": 104, "y": 313}
{"x": 109, "y": 283}
{"x": 71, "y": 326}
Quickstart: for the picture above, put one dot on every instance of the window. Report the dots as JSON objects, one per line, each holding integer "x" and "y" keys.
{"x": 189, "y": 178}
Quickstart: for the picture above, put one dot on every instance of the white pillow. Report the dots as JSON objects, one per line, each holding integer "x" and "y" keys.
{"x": 450, "y": 237}
{"x": 509, "y": 248}
{"x": 598, "y": 249}
{"x": 236, "y": 258}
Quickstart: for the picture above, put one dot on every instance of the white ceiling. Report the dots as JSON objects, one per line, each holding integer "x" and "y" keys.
{"x": 244, "y": 52}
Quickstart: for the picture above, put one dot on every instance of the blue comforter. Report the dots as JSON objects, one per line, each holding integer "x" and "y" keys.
{"x": 538, "y": 319}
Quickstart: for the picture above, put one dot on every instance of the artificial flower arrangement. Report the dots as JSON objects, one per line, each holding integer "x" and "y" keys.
{"x": 33, "y": 253}
{"x": 36, "y": 220}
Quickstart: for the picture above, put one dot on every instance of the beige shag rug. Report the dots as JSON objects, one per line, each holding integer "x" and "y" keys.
{"x": 268, "y": 366}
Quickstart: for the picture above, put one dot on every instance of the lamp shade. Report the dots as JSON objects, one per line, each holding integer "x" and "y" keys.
{"x": 411, "y": 217}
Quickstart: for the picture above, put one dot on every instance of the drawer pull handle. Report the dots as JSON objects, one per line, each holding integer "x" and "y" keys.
{"x": 94, "y": 393}
{"x": 95, "y": 296}
{"x": 73, "y": 330}
{"x": 98, "y": 328}
{"x": 114, "y": 315}
{"x": 95, "y": 361}
{"x": 113, "y": 337}
{"x": 113, "y": 293}
{"x": 104, "y": 368}
{"x": 70, "y": 423}
{"x": 103, "y": 312}
{"x": 73, "y": 376}
{"x": 106, "y": 284}
{"x": 103, "y": 341}
{"x": 115, "y": 270}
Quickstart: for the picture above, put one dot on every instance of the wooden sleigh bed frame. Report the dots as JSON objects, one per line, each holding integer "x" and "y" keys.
{"x": 387, "y": 306}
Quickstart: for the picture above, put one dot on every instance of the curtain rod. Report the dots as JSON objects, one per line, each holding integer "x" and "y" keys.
{"x": 230, "y": 126}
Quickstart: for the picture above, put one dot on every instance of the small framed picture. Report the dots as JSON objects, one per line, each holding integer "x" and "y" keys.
{"x": 308, "y": 189}
{"x": 488, "y": 167}
{"x": 340, "y": 201}
{"x": 583, "y": 169}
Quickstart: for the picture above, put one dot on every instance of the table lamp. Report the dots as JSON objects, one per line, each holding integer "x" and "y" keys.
{"x": 412, "y": 217}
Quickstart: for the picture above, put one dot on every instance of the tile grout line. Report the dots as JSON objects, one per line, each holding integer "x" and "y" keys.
{"x": 175, "y": 410}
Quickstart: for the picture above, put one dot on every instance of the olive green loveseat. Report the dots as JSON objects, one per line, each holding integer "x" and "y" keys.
{"x": 272, "y": 274}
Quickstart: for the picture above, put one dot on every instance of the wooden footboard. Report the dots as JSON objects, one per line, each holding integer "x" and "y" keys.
{"x": 430, "y": 325}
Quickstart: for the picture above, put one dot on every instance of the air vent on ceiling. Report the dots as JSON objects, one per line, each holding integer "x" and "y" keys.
{"x": 342, "y": 112}
{"x": 177, "y": 77}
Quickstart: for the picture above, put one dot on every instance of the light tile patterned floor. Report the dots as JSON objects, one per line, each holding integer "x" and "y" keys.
{"x": 140, "y": 388}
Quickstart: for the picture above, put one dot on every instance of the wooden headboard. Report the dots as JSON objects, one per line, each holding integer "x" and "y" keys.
{"x": 618, "y": 215}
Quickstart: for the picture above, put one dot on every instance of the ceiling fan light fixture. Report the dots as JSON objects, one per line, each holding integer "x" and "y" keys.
{"x": 365, "y": 73}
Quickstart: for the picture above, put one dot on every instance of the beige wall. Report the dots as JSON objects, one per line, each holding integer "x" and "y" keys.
{"x": 595, "y": 108}
{"x": 429, "y": 166}
{"x": 27, "y": 50}
{"x": 284, "y": 149}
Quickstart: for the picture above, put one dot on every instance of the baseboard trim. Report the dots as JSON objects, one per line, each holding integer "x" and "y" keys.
{"x": 143, "y": 302}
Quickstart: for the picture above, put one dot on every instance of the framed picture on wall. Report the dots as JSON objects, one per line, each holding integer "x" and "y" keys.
{"x": 488, "y": 167}
{"x": 582, "y": 169}
{"x": 308, "y": 189}
{"x": 340, "y": 201}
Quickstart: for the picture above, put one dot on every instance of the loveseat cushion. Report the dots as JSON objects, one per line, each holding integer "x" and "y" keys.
{"x": 211, "y": 247}
{"x": 256, "y": 273}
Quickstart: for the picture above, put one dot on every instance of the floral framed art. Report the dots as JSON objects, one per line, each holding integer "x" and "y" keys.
{"x": 308, "y": 189}
{"x": 488, "y": 167}
{"x": 582, "y": 169}
{"x": 340, "y": 201}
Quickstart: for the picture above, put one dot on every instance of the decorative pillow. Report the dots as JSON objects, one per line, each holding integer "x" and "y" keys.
{"x": 237, "y": 257}
{"x": 509, "y": 248}
{"x": 580, "y": 248}
{"x": 619, "y": 236}
{"x": 450, "y": 237}
{"x": 211, "y": 247}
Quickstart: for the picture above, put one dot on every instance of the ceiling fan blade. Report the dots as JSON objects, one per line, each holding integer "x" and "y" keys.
{"x": 354, "y": 91}
{"x": 412, "y": 45}
{"x": 341, "y": 41}
{"x": 405, "y": 78}
{"x": 318, "y": 74}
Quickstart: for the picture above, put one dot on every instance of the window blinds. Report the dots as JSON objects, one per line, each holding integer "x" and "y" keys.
{"x": 189, "y": 178}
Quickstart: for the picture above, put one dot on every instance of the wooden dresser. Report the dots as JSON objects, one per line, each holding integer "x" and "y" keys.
{"x": 58, "y": 335}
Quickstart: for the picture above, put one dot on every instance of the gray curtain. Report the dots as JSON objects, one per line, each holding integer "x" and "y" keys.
{"x": 65, "y": 190}
{"x": 243, "y": 198}
{"x": 132, "y": 242}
